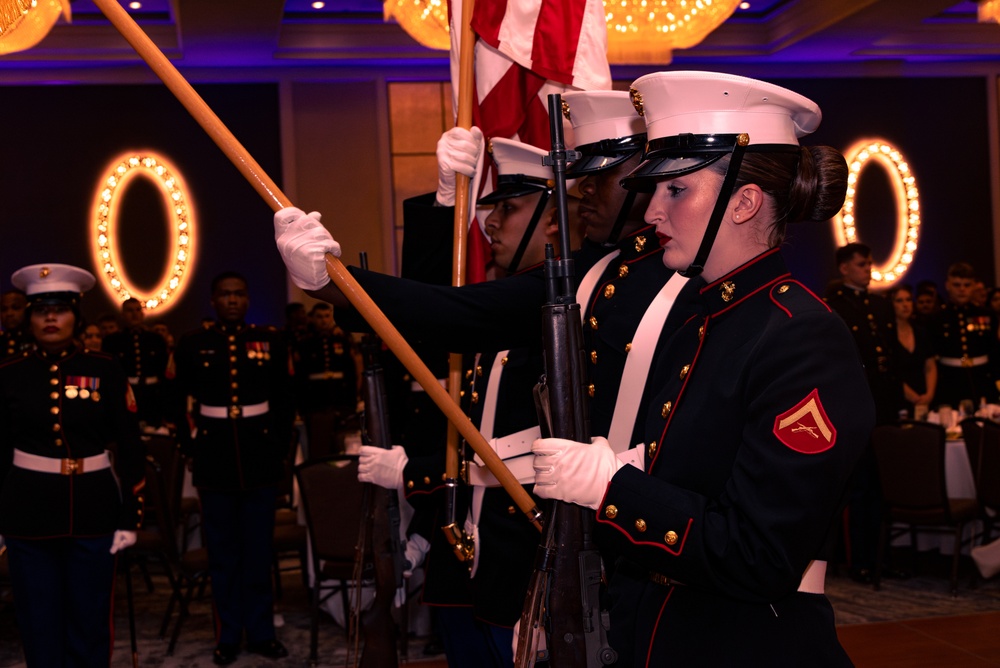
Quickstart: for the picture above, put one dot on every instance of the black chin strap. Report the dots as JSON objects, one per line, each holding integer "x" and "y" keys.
{"x": 715, "y": 222}
{"x": 616, "y": 230}
{"x": 529, "y": 231}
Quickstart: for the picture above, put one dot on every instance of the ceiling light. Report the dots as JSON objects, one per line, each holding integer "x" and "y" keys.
{"x": 645, "y": 32}
{"x": 318, "y": 5}
{"x": 23, "y": 23}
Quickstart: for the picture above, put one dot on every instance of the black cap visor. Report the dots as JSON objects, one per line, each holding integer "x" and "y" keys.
{"x": 669, "y": 157}
{"x": 71, "y": 299}
{"x": 598, "y": 156}
{"x": 515, "y": 185}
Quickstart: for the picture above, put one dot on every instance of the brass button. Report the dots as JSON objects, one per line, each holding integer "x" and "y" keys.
{"x": 479, "y": 371}
{"x": 53, "y": 381}
{"x": 503, "y": 361}
{"x": 427, "y": 480}
{"x": 667, "y": 407}
{"x": 783, "y": 289}
{"x": 409, "y": 484}
{"x": 593, "y": 356}
{"x": 58, "y": 441}
{"x": 232, "y": 338}
{"x": 591, "y": 389}
{"x": 671, "y": 537}
{"x": 511, "y": 510}
{"x": 623, "y": 271}
{"x": 468, "y": 374}
{"x": 611, "y": 512}
{"x": 57, "y": 427}
{"x": 54, "y": 410}
{"x": 651, "y": 449}
{"x": 609, "y": 291}
{"x": 233, "y": 371}
{"x": 628, "y": 347}
{"x": 640, "y": 525}
{"x": 728, "y": 290}
{"x": 54, "y": 396}
{"x": 684, "y": 371}
{"x": 53, "y": 368}
{"x": 475, "y": 397}
{"x": 232, "y": 358}
{"x": 701, "y": 332}
{"x": 593, "y": 322}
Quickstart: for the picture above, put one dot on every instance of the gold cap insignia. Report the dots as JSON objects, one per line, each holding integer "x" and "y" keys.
{"x": 489, "y": 147}
{"x": 45, "y": 271}
{"x": 565, "y": 110}
{"x": 636, "y": 98}
{"x": 743, "y": 139}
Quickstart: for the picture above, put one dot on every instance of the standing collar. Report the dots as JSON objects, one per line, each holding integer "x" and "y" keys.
{"x": 759, "y": 273}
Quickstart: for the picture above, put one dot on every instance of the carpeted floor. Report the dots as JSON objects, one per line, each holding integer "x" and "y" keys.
{"x": 925, "y": 594}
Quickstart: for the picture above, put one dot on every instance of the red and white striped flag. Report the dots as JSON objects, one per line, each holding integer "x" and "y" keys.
{"x": 526, "y": 50}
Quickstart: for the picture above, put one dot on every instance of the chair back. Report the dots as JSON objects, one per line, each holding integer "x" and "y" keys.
{"x": 987, "y": 473}
{"x": 161, "y": 537}
{"x": 910, "y": 459}
{"x": 166, "y": 452}
{"x": 972, "y": 434}
{"x": 332, "y": 499}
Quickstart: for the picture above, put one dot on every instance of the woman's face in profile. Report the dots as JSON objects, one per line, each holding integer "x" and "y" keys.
{"x": 902, "y": 303}
{"x": 680, "y": 209}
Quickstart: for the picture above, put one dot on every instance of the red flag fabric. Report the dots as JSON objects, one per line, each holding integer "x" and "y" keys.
{"x": 526, "y": 50}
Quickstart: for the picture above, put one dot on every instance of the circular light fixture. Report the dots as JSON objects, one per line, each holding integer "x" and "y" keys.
{"x": 180, "y": 216}
{"x": 905, "y": 191}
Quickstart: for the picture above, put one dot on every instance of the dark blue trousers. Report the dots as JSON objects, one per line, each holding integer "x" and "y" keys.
{"x": 239, "y": 536}
{"x": 62, "y": 597}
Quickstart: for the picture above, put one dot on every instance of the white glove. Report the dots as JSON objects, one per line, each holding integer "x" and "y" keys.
{"x": 121, "y": 540}
{"x": 303, "y": 243}
{"x": 416, "y": 549}
{"x": 382, "y": 467}
{"x": 574, "y": 472}
{"x": 458, "y": 151}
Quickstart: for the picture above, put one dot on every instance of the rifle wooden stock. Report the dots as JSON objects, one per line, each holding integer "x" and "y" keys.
{"x": 567, "y": 565}
{"x": 276, "y": 199}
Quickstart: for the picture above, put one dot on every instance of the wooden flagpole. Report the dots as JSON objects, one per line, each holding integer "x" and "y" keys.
{"x": 276, "y": 199}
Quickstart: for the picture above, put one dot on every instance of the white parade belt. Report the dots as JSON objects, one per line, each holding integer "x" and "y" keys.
{"x": 140, "y": 380}
{"x": 513, "y": 449}
{"x": 964, "y": 361}
{"x": 222, "y": 412}
{"x": 327, "y": 375}
{"x": 26, "y": 460}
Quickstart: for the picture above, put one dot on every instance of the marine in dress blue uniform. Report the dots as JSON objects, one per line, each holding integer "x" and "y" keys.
{"x": 143, "y": 355}
{"x": 14, "y": 335}
{"x": 752, "y": 433}
{"x": 964, "y": 337}
{"x": 237, "y": 375}
{"x": 62, "y": 504}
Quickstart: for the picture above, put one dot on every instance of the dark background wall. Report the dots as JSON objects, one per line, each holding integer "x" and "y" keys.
{"x": 59, "y": 139}
{"x": 941, "y": 127}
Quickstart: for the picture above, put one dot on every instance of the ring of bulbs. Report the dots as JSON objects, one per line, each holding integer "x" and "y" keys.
{"x": 180, "y": 219}
{"x": 905, "y": 191}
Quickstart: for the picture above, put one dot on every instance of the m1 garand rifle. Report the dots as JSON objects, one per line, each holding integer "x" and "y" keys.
{"x": 379, "y": 535}
{"x": 562, "y": 604}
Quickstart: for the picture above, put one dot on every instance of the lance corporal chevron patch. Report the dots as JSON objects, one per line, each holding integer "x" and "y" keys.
{"x": 805, "y": 426}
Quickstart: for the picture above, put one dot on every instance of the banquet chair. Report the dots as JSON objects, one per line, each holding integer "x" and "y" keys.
{"x": 289, "y": 535}
{"x": 911, "y": 469}
{"x": 166, "y": 450}
{"x": 331, "y": 499}
{"x": 157, "y": 540}
{"x": 987, "y": 476}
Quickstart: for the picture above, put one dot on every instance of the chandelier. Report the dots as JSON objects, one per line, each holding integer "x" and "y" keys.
{"x": 647, "y": 31}
{"x": 424, "y": 20}
{"x": 988, "y": 10}
{"x": 639, "y": 31}
{"x": 23, "y": 23}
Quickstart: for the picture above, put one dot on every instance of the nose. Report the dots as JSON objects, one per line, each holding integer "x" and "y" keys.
{"x": 492, "y": 221}
{"x": 586, "y": 185}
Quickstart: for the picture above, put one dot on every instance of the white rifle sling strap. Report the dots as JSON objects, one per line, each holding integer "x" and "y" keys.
{"x": 637, "y": 364}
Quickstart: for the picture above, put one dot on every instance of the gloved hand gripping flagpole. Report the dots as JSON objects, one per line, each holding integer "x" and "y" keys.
{"x": 346, "y": 283}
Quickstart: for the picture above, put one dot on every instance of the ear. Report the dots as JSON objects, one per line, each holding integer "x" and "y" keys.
{"x": 749, "y": 200}
{"x": 550, "y": 222}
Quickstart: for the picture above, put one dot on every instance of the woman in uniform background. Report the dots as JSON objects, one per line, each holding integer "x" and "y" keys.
{"x": 760, "y": 406}
{"x": 62, "y": 512}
